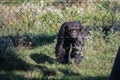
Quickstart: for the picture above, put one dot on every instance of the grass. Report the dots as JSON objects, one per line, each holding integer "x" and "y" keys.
{"x": 39, "y": 63}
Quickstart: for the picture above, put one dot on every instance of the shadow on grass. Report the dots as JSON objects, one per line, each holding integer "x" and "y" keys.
{"x": 32, "y": 40}
{"x": 70, "y": 75}
{"x": 47, "y": 73}
{"x": 99, "y": 78}
{"x": 28, "y": 40}
{"x": 43, "y": 39}
{"x": 42, "y": 58}
{"x": 11, "y": 76}
{"x": 69, "y": 72}
{"x": 84, "y": 78}
{"x": 10, "y": 61}
{"x": 14, "y": 63}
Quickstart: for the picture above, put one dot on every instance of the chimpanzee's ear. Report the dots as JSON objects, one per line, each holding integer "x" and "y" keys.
{"x": 81, "y": 27}
{"x": 62, "y": 30}
{"x": 66, "y": 27}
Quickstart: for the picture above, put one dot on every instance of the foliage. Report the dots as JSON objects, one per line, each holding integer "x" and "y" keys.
{"x": 31, "y": 29}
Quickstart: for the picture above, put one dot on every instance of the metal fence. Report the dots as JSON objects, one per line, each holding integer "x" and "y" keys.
{"x": 28, "y": 37}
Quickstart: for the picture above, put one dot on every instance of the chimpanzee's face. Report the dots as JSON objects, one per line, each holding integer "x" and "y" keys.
{"x": 72, "y": 31}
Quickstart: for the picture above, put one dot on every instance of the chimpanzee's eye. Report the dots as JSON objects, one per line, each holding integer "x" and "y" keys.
{"x": 69, "y": 30}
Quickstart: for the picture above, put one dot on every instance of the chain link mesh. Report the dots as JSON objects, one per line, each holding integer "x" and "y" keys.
{"x": 28, "y": 31}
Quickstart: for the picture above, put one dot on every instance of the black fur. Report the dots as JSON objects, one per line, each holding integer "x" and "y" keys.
{"x": 70, "y": 42}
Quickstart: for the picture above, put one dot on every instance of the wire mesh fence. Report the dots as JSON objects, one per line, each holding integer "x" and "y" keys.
{"x": 28, "y": 32}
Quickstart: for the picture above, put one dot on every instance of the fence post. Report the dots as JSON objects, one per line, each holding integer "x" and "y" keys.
{"x": 115, "y": 73}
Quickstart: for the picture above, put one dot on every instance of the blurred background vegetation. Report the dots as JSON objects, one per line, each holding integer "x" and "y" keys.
{"x": 28, "y": 30}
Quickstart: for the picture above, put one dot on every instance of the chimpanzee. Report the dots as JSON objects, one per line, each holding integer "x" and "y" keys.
{"x": 70, "y": 42}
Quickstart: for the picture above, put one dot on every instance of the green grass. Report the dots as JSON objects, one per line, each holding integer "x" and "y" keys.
{"x": 39, "y": 63}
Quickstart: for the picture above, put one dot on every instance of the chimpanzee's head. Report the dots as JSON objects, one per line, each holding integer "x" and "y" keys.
{"x": 73, "y": 29}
